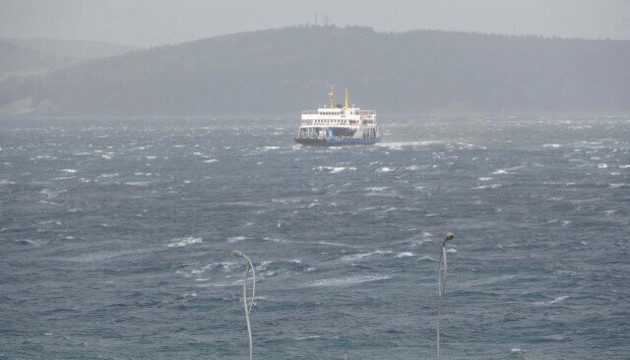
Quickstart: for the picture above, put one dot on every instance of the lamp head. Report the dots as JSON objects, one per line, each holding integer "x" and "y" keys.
{"x": 238, "y": 253}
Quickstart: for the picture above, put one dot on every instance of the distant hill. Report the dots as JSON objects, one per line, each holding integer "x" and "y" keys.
{"x": 290, "y": 69}
{"x": 15, "y": 58}
{"x": 21, "y": 58}
{"x": 77, "y": 50}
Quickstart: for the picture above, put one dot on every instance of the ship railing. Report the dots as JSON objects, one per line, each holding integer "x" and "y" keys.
{"x": 337, "y": 111}
{"x": 352, "y": 122}
{"x": 329, "y": 115}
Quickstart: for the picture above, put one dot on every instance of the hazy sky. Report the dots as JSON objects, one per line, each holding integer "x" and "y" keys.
{"x": 157, "y": 22}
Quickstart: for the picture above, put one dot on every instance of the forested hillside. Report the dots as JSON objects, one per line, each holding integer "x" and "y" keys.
{"x": 77, "y": 50}
{"x": 14, "y": 58}
{"x": 285, "y": 70}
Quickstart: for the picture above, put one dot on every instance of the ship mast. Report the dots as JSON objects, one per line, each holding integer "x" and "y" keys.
{"x": 345, "y": 103}
{"x": 331, "y": 96}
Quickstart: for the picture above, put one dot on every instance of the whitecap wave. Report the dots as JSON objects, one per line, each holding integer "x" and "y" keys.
{"x": 276, "y": 240}
{"x": 31, "y": 242}
{"x": 179, "y": 242}
{"x": 385, "y": 169}
{"x": 333, "y": 243}
{"x": 508, "y": 171}
{"x": 349, "y": 281}
{"x": 234, "y": 239}
{"x": 103, "y": 256}
{"x": 486, "y": 187}
{"x": 51, "y": 194}
{"x": 400, "y": 145}
{"x": 106, "y": 176}
{"x": 551, "y": 302}
{"x": 138, "y": 183}
{"x": 198, "y": 269}
{"x": 43, "y": 157}
{"x": 359, "y": 256}
{"x": 376, "y": 188}
{"x": 311, "y": 337}
{"x": 333, "y": 169}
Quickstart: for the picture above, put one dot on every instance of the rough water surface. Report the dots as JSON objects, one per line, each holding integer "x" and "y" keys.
{"x": 117, "y": 235}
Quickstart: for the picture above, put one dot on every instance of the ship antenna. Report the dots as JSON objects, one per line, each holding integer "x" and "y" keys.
{"x": 331, "y": 96}
{"x": 442, "y": 285}
{"x": 248, "y": 307}
{"x": 345, "y": 103}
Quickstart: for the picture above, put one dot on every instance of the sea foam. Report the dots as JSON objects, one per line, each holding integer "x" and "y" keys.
{"x": 179, "y": 242}
{"x": 349, "y": 281}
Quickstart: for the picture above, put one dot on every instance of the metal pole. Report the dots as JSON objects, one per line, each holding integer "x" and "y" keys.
{"x": 248, "y": 307}
{"x": 442, "y": 285}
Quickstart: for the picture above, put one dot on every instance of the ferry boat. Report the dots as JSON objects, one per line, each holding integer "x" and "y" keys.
{"x": 338, "y": 125}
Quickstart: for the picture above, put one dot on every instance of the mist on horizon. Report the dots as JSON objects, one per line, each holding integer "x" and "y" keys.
{"x": 157, "y": 22}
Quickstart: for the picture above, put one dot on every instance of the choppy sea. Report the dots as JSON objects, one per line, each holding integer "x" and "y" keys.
{"x": 116, "y": 237}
